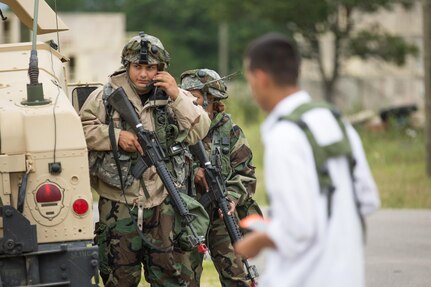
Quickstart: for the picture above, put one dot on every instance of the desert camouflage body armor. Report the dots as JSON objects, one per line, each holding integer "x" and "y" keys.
{"x": 178, "y": 158}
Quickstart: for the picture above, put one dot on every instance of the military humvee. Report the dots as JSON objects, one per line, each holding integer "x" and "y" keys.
{"x": 46, "y": 214}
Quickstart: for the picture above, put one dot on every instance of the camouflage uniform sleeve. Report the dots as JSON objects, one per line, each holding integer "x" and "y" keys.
{"x": 191, "y": 116}
{"x": 241, "y": 185}
{"x": 93, "y": 119}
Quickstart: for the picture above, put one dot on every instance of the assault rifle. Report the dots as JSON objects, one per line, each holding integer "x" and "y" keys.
{"x": 154, "y": 155}
{"x": 216, "y": 192}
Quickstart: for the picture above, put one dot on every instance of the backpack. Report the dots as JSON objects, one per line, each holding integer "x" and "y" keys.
{"x": 200, "y": 223}
{"x": 322, "y": 154}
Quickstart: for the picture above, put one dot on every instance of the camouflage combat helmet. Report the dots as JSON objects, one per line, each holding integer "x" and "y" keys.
{"x": 145, "y": 49}
{"x": 206, "y": 80}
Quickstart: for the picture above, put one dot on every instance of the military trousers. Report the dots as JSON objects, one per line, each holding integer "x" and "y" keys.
{"x": 123, "y": 252}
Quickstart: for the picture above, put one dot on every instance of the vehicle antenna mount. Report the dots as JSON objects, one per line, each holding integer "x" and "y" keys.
{"x": 34, "y": 89}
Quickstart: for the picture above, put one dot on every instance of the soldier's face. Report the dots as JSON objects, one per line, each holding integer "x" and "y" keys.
{"x": 141, "y": 75}
{"x": 200, "y": 100}
{"x": 199, "y": 97}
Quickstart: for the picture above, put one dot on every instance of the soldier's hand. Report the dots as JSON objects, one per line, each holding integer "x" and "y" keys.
{"x": 129, "y": 142}
{"x": 166, "y": 82}
{"x": 200, "y": 178}
{"x": 252, "y": 243}
{"x": 232, "y": 207}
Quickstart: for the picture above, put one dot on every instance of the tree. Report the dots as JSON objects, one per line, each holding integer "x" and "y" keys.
{"x": 427, "y": 48}
{"x": 189, "y": 29}
{"x": 183, "y": 26}
{"x": 311, "y": 19}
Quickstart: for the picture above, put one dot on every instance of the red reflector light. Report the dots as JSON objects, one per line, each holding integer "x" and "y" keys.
{"x": 80, "y": 206}
{"x": 48, "y": 193}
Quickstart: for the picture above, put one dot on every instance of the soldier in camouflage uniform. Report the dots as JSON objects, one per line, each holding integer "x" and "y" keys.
{"x": 144, "y": 204}
{"x": 228, "y": 150}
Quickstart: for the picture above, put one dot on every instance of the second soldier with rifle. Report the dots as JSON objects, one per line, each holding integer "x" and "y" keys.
{"x": 230, "y": 154}
{"x": 137, "y": 216}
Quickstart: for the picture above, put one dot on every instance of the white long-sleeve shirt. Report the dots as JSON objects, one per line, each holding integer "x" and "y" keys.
{"x": 312, "y": 250}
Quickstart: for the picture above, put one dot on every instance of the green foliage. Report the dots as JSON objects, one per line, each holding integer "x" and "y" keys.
{"x": 186, "y": 32}
{"x": 240, "y": 34}
{"x": 86, "y": 5}
{"x": 189, "y": 28}
{"x": 241, "y": 105}
{"x": 379, "y": 44}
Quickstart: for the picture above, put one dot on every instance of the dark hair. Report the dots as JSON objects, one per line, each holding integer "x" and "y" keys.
{"x": 276, "y": 55}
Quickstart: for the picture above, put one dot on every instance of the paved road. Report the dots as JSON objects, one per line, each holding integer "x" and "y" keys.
{"x": 398, "y": 252}
{"x": 398, "y": 249}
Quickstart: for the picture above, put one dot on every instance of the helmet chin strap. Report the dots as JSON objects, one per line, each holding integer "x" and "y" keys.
{"x": 205, "y": 104}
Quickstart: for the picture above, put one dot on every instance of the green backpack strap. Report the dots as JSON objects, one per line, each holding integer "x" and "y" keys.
{"x": 323, "y": 153}
{"x": 220, "y": 146}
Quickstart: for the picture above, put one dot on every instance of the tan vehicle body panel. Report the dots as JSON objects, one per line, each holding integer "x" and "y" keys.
{"x": 47, "y": 22}
{"x": 31, "y": 135}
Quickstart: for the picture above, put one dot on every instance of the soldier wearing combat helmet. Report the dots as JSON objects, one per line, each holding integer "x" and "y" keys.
{"x": 228, "y": 150}
{"x": 136, "y": 223}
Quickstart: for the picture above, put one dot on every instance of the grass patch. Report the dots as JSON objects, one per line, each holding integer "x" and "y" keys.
{"x": 209, "y": 275}
{"x": 397, "y": 160}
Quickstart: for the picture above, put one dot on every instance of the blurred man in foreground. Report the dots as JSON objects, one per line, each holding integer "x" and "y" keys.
{"x": 317, "y": 178}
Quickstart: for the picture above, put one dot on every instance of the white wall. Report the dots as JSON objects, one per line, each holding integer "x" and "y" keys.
{"x": 94, "y": 41}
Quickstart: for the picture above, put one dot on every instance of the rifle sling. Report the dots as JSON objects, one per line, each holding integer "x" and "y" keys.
{"x": 146, "y": 241}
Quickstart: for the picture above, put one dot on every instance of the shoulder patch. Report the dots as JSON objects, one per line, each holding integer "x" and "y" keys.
{"x": 235, "y": 131}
